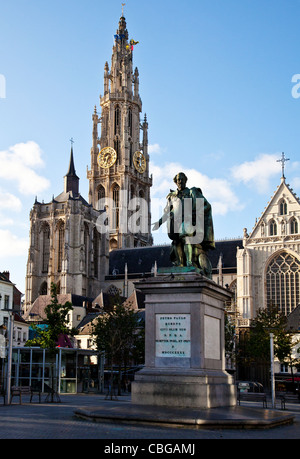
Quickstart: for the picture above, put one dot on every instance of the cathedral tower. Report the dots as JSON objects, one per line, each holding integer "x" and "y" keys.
{"x": 119, "y": 180}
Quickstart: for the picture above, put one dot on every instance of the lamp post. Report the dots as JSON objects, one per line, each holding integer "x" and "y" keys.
{"x": 9, "y": 359}
{"x": 272, "y": 369}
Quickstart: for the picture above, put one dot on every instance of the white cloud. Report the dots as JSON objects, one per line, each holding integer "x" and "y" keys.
{"x": 9, "y": 201}
{"x": 155, "y": 149}
{"x": 258, "y": 173}
{"x": 18, "y": 164}
{"x": 217, "y": 191}
{"x": 11, "y": 245}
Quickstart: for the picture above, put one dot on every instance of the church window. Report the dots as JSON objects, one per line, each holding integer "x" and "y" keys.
{"x": 117, "y": 148}
{"x": 294, "y": 226}
{"x": 273, "y": 228}
{"x": 283, "y": 282}
{"x": 43, "y": 289}
{"x": 101, "y": 197}
{"x": 61, "y": 242}
{"x": 46, "y": 248}
{"x": 283, "y": 207}
{"x": 130, "y": 122}
{"x": 132, "y": 192}
{"x": 131, "y": 154}
{"x": 117, "y": 120}
{"x": 113, "y": 290}
{"x": 116, "y": 207}
{"x": 86, "y": 245}
{"x": 96, "y": 250}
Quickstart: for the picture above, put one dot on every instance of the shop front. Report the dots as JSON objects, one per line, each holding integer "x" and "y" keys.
{"x": 68, "y": 371}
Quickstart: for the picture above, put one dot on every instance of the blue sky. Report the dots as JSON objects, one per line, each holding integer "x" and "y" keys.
{"x": 215, "y": 81}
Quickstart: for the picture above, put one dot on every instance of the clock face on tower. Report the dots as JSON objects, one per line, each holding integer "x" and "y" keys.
{"x": 107, "y": 157}
{"x": 139, "y": 161}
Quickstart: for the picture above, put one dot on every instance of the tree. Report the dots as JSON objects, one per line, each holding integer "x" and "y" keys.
{"x": 119, "y": 334}
{"x": 56, "y": 324}
{"x": 256, "y": 346}
{"x": 229, "y": 338}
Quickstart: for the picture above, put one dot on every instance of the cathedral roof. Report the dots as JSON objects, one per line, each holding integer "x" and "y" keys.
{"x": 65, "y": 196}
{"x": 278, "y": 193}
{"x": 141, "y": 260}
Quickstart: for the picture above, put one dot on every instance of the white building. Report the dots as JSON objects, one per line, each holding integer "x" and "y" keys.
{"x": 268, "y": 265}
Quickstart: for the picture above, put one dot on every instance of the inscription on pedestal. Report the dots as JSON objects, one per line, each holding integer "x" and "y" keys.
{"x": 173, "y": 335}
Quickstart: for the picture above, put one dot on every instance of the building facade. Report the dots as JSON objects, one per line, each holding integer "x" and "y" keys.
{"x": 268, "y": 265}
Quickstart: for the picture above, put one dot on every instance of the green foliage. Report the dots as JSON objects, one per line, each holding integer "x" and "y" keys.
{"x": 268, "y": 321}
{"x": 254, "y": 346}
{"x": 119, "y": 334}
{"x": 56, "y": 323}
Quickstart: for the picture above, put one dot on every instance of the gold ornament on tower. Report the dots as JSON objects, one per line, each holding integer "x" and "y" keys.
{"x": 139, "y": 161}
{"x": 107, "y": 157}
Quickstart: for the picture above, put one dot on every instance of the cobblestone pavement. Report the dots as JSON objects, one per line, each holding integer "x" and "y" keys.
{"x": 57, "y": 421}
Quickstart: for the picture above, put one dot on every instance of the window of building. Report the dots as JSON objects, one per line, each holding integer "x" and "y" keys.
{"x": 273, "y": 228}
{"x": 96, "y": 252}
{"x": 44, "y": 288}
{"x": 101, "y": 198}
{"x": 116, "y": 207}
{"x": 283, "y": 207}
{"x": 294, "y": 226}
{"x": 117, "y": 148}
{"x": 6, "y": 301}
{"x": 130, "y": 122}
{"x": 61, "y": 242}
{"x": 117, "y": 120}
{"x": 283, "y": 282}
{"x": 46, "y": 248}
{"x": 284, "y": 368}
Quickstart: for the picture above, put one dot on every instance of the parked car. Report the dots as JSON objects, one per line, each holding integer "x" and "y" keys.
{"x": 249, "y": 386}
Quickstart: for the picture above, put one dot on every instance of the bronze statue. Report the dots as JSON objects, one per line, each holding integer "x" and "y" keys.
{"x": 190, "y": 226}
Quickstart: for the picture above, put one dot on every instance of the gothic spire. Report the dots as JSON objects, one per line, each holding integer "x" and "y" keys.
{"x": 71, "y": 179}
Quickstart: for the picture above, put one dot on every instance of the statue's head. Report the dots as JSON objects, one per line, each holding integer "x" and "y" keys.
{"x": 180, "y": 180}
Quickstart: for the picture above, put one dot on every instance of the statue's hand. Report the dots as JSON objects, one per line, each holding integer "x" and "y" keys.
{"x": 155, "y": 226}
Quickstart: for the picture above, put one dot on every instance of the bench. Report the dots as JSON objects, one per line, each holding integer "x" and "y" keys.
{"x": 24, "y": 390}
{"x": 288, "y": 398}
{"x": 253, "y": 397}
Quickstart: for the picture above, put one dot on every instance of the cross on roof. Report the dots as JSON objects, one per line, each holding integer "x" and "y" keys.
{"x": 72, "y": 141}
{"x": 283, "y": 160}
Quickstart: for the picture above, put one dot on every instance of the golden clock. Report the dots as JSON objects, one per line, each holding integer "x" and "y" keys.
{"x": 139, "y": 161}
{"x": 107, "y": 157}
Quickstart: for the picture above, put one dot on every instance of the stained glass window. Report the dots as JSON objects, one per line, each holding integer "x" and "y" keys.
{"x": 283, "y": 282}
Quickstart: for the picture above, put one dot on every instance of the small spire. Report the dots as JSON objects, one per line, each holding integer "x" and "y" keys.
{"x": 71, "y": 170}
{"x": 123, "y": 4}
{"x": 71, "y": 179}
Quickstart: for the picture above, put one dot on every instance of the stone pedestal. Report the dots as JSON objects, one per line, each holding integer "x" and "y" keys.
{"x": 184, "y": 356}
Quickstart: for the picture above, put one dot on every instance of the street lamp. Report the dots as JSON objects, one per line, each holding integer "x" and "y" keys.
{"x": 272, "y": 369}
{"x": 9, "y": 358}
